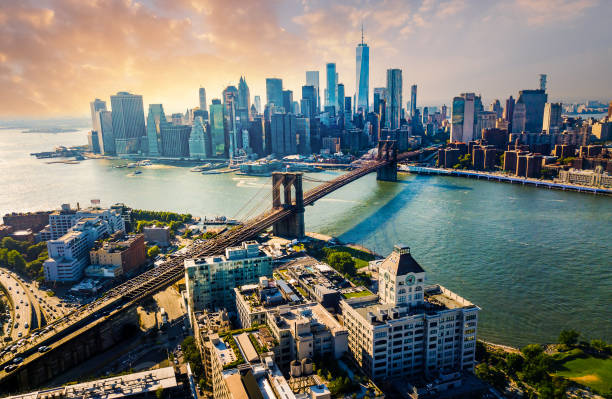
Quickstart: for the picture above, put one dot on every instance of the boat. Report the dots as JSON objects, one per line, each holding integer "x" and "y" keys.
{"x": 137, "y": 172}
{"x": 132, "y": 165}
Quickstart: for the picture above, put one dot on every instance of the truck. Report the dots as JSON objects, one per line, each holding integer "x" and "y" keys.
{"x": 164, "y": 317}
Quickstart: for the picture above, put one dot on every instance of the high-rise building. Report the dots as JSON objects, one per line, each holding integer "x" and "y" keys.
{"x": 287, "y": 101}
{"x": 175, "y": 140}
{"x": 274, "y": 91}
{"x": 128, "y": 122}
{"x": 302, "y": 131}
{"x": 217, "y": 129}
{"x": 257, "y": 101}
{"x": 202, "y": 98}
{"x": 257, "y": 136}
{"x": 362, "y": 74}
{"x": 283, "y": 130}
{"x": 552, "y": 118}
{"x": 413, "y": 100}
{"x": 312, "y": 79}
{"x": 243, "y": 105}
{"x": 96, "y": 106}
{"x": 411, "y": 329}
{"x": 380, "y": 93}
{"x": 156, "y": 120}
{"x": 543, "y": 82}
{"x": 610, "y": 111}
{"x": 62, "y": 220}
{"x": 509, "y": 109}
{"x": 394, "y": 98}
{"x": 534, "y": 101}
{"x": 309, "y": 99}
{"x": 465, "y": 118}
{"x": 340, "y": 94}
{"x": 497, "y": 108}
{"x": 519, "y": 118}
{"x": 105, "y": 135}
{"x": 197, "y": 139}
{"x": 332, "y": 82}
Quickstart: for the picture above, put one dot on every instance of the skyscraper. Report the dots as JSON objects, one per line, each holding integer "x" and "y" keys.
{"x": 340, "y": 94}
{"x": 464, "y": 117}
{"x": 362, "y": 74}
{"x": 257, "y": 101}
{"x": 413, "y": 100}
{"x": 312, "y": 79}
{"x": 394, "y": 98}
{"x": 202, "y": 95}
{"x": 230, "y": 100}
{"x": 217, "y": 130}
{"x": 96, "y": 106}
{"x": 287, "y": 101}
{"x": 156, "y": 119}
{"x": 534, "y": 101}
{"x": 243, "y": 105}
{"x": 309, "y": 100}
{"x": 128, "y": 122}
{"x": 380, "y": 93}
{"x": 274, "y": 91}
{"x": 197, "y": 139}
{"x": 552, "y": 118}
{"x": 331, "y": 93}
{"x": 175, "y": 140}
{"x": 283, "y": 131}
{"x": 105, "y": 135}
{"x": 496, "y": 107}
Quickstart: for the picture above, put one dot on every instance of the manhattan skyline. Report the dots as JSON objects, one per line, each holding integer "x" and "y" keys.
{"x": 56, "y": 55}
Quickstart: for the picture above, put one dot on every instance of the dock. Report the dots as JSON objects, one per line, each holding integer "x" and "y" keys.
{"x": 472, "y": 174}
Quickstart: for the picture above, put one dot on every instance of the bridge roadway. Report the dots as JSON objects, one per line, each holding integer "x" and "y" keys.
{"x": 147, "y": 283}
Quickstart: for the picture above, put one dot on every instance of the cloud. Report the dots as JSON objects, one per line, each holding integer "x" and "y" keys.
{"x": 541, "y": 12}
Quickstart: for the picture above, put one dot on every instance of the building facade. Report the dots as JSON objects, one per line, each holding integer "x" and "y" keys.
{"x": 394, "y": 98}
{"x": 128, "y": 122}
{"x": 362, "y": 73}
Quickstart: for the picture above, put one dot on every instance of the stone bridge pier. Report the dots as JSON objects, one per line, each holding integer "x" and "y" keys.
{"x": 292, "y": 198}
{"x": 387, "y": 151}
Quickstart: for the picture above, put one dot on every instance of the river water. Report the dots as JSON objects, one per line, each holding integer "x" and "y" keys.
{"x": 535, "y": 260}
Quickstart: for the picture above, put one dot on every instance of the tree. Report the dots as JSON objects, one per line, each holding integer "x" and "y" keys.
{"x": 16, "y": 261}
{"x": 342, "y": 262}
{"x": 153, "y": 251}
{"x": 514, "y": 362}
{"x": 568, "y": 337}
{"x": 159, "y": 393}
{"x": 532, "y": 351}
{"x": 599, "y": 345}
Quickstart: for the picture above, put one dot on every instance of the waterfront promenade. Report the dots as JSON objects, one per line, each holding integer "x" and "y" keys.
{"x": 474, "y": 174}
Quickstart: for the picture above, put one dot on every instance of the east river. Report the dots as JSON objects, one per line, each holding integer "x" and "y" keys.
{"x": 535, "y": 260}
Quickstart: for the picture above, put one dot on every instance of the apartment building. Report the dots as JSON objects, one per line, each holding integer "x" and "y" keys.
{"x": 62, "y": 220}
{"x": 211, "y": 281}
{"x": 69, "y": 254}
{"x": 412, "y": 329}
{"x": 125, "y": 251}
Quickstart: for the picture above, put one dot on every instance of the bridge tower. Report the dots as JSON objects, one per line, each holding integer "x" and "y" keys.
{"x": 387, "y": 151}
{"x": 293, "y": 225}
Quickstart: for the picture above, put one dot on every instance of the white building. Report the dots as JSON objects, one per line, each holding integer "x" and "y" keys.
{"x": 211, "y": 281}
{"x": 62, "y": 220}
{"x": 413, "y": 329}
{"x": 69, "y": 254}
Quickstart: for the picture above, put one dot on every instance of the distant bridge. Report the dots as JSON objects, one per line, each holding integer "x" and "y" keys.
{"x": 286, "y": 217}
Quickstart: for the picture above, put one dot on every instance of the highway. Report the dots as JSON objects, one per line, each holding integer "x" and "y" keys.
{"x": 172, "y": 270}
{"x": 22, "y": 308}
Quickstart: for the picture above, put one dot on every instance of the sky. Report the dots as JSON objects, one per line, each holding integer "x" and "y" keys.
{"x": 58, "y": 55}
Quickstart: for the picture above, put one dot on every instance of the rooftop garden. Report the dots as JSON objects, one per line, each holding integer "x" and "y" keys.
{"x": 229, "y": 340}
{"x": 356, "y": 294}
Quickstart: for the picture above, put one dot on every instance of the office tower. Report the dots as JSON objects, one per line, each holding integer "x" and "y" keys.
{"x": 287, "y": 103}
{"x": 331, "y": 90}
{"x": 283, "y": 130}
{"x": 257, "y": 132}
{"x": 464, "y": 118}
{"x": 105, "y": 136}
{"x": 156, "y": 120}
{"x": 257, "y": 101}
{"x": 413, "y": 100}
{"x": 128, "y": 122}
{"x": 244, "y": 96}
{"x": 96, "y": 106}
{"x": 295, "y": 108}
{"x": 496, "y": 107}
{"x": 230, "y": 100}
{"x": 380, "y": 93}
{"x": 302, "y": 131}
{"x": 202, "y": 97}
{"x": 175, "y": 140}
{"x": 312, "y": 79}
{"x": 274, "y": 92}
{"x": 543, "y": 82}
{"x": 394, "y": 98}
{"x": 444, "y": 112}
{"x": 92, "y": 142}
{"x": 534, "y": 101}
{"x": 509, "y": 112}
{"x": 340, "y": 97}
{"x": 309, "y": 93}
{"x": 552, "y": 118}
{"x": 348, "y": 108}
{"x": 197, "y": 139}
{"x": 519, "y": 118}
{"x": 217, "y": 129}
{"x": 362, "y": 74}
{"x": 438, "y": 327}
{"x": 485, "y": 120}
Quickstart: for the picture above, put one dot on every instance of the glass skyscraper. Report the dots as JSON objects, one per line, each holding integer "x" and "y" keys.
{"x": 331, "y": 99}
{"x": 202, "y": 96}
{"x": 128, "y": 122}
{"x": 394, "y": 98}
{"x": 274, "y": 91}
{"x": 363, "y": 75}
{"x": 413, "y": 100}
{"x": 156, "y": 119}
{"x": 312, "y": 79}
{"x": 217, "y": 130}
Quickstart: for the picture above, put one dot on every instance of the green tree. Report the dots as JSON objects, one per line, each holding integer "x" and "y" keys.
{"x": 16, "y": 261}
{"x": 490, "y": 375}
{"x": 153, "y": 251}
{"x": 342, "y": 262}
{"x": 599, "y": 345}
{"x": 514, "y": 363}
{"x": 568, "y": 337}
{"x": 159, "y": 393}
{"x": 532, "y": 351}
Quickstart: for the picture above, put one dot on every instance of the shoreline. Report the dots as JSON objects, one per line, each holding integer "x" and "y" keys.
{"x": 480, "y": 175}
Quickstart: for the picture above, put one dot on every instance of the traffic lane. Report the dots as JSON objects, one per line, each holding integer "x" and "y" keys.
{"x": 22, "y": 309}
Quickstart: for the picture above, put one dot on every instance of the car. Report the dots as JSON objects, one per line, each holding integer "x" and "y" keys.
{"x": 20, "y": 334}
{"x": 17, "y": 307}
{"x": 43, "y": 348}
{"x": 16, "y": 325}
{"x": 10, "y": 368}
{"x": 17, "y": 360}
{"x": 26, "y": 325}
